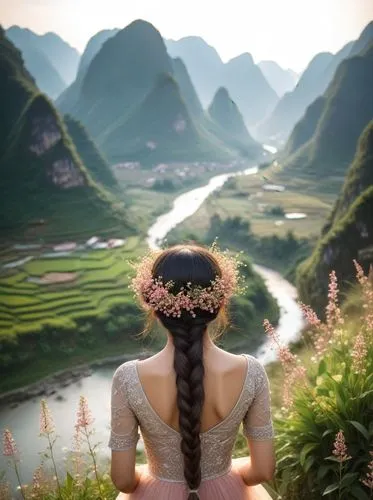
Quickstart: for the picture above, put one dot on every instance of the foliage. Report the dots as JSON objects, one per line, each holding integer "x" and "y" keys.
{"x": 324, "y": 433}
{"x": 89, "y": 153}
{"x": 276, "y": 211}
{"x": 348, "y": 233}
{"x": 283, "y": 253}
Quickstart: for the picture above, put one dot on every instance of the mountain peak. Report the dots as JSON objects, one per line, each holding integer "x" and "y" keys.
{"x": 242, "y": 58}
{"x": 224, "y": 111}
{"x": 221, "y": 93}
{"x": 128, "y": 64}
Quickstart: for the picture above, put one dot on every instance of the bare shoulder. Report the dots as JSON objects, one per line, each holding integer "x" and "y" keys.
{"x": 158, "y": 364}
{"x": 226, "y": 362}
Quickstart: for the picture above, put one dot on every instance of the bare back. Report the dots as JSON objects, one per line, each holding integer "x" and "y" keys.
{"x": 223, "y": 383}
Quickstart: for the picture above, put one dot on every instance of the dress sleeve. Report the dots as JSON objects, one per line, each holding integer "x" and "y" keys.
{"x": 124, "y": 425}
{"x": 257, "y": 423}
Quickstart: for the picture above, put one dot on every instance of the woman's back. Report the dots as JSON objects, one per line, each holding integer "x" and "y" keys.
{"x": 142, "y": 395}
{"x": 224, "y": 378}
{"x": 190, "y": 399}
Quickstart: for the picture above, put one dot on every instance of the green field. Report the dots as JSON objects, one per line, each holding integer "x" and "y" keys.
{"x": 102, "y": 278}
{"x": 243, "y": 196}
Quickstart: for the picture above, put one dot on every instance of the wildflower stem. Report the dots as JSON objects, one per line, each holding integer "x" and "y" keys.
{"x": 340, "y": 480}
{"x": 19, "y": 479}
{"x": 92, "y": 453}
{"x": 50, "y": 446}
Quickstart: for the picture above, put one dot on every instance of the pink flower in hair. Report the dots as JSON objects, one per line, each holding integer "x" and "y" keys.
{"x": 158, "y": 295}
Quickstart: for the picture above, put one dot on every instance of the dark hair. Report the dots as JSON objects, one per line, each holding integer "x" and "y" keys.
{"x": 183, "y": 264}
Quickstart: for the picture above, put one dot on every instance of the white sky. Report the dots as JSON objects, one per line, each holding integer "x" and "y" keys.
{"x": 290, "y": 32}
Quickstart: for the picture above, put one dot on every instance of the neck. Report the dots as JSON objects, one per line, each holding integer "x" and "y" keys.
{"x": 207, "y": 342}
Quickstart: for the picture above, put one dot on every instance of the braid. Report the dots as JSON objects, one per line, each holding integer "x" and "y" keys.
{"x": 188, "y": 365}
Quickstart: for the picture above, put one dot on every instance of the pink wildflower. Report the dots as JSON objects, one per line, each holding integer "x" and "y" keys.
{"x": 366, "y": 283}
{"x": 270, "y": 331}
{"x": 4, "y": 491}
{"x": 333, "y": 313}
{"x": 9, "y": 445}
{"x": 368, "y": 480}
{"x": 310, "y": 315}
{"x": 359, "y": 354}
{"x": 287, "y": 358}
{"x": 294, "y": 372}
{"x": 325, "y": 333}
{"x": 46, "y": 420}
{"x": 37, "y": 480}
{"x": 84, "y": 415}
{"x": 340, "y": 448}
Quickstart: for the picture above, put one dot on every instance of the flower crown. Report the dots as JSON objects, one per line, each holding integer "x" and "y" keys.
{"x": 158, "y": 295}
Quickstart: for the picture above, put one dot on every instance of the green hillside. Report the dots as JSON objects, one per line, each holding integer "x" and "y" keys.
{"x": 228, "y": 123}
{"x": 236, "y": 139}
{"x": 305, "y": 128}
{"x": 88, "y": 152}
{"x": 161, "y": 129}
{"x": 120, "y": 76}
{"x": 47, "y": 78}
{"x": 46, "y": 191}
{"x": 348, "y": 234}
{"x": 333, "y": 123}
{"x": 67, "y": 101}
{"x": 359, "y": 177}
{"x": 181, "y": 76}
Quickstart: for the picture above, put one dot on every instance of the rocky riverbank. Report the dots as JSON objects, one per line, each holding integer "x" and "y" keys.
{"x": 50, "y": 385}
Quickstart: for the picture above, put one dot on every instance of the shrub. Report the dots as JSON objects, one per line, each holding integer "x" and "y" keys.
{"x": 325, "y": 430}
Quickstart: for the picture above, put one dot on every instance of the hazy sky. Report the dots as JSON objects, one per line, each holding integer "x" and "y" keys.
{"x": 290, "y": 32}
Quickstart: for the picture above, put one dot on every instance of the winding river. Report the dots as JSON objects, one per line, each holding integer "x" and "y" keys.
{"x": 24, "y": 418}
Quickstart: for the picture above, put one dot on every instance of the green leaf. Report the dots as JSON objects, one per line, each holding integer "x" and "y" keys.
{"x": 323, "y": 470}
{"x": 69, "y": 482}
{"x": 332, "y": 459}
{"x": 365, "y": 394}
{"x": 349, "y": 478}
{"x": 330, "y": 489}
{"x": 305, "y": 450}
{"x": 358, "y": 492}
{"x": 327, "y": 432}
{"x": 322, "y": 367}
{"x": 308, "y": 463}
{"x": 360, "y": 427}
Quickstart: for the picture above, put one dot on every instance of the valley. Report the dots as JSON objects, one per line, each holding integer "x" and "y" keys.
{"x": 139, "y": 142}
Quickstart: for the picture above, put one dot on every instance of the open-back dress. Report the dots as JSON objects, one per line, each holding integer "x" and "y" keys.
{"x": 163, "y": 477}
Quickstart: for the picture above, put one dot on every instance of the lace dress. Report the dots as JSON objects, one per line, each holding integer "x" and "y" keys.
{"x": 162, "y": 477}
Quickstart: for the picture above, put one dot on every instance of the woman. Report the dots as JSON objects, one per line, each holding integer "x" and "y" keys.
{"x": 190, "y": 399}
